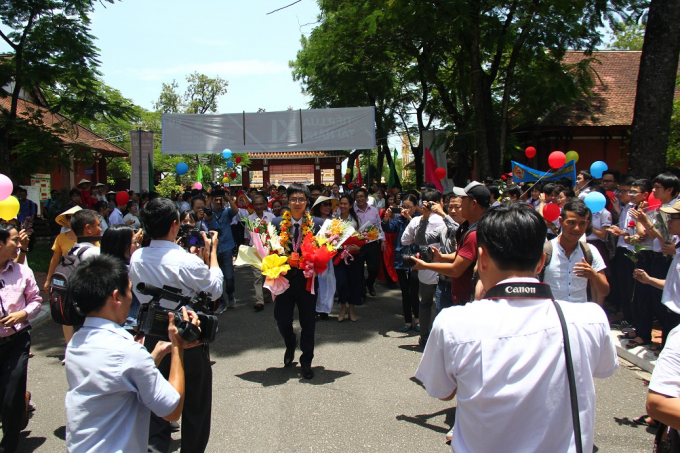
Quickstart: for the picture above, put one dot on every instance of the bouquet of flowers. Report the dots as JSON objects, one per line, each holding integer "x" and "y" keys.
{"x": 365, "y": 234}
{"x": 266, "y": 254}
{"x": 317, "y": 251}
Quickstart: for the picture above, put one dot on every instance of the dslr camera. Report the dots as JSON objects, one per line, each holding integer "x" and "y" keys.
{"x": 190, "y": 236}
{"x": 153, "y": 320}
{"x": 424, "y": 253}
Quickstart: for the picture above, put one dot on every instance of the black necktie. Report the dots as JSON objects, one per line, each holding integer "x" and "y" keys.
{"x": 296, "y": 233}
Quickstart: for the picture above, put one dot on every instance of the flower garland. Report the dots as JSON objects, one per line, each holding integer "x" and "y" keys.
{"x": 286, "y": 224}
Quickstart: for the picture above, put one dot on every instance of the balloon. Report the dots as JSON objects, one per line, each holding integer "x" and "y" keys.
{"x": 571, "y": 155}
{"x": 595, "y": 201}
{"x": 238, "y": 160}
{"x": 551, "y": 212}
{"x": 347, "y": 176}
{"x": 348, "y": 171}
{"x": 230, "y": 164}
{"x": 350, "y": 185}
{"x": 652, "y": 201}
{"x": 122, "y": 198}
{"x": 181, "y": 168}
{"x": 226, "y": 153}
{"x": 232, "y": 175}
{"x": 597, "y": 168}
{"x": 530, "y": 152}
{"x": 6, "y": 187}
{"x": 198, "y": 186}
{"x": 557, "y": 159}
{"x": 9, "y": 208}
{"x": 225, "y": 179}
{"x": 440, "y": 173}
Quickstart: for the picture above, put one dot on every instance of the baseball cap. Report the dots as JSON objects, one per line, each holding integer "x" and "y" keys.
{"x": 675, "y": 209}
{"x": 477, "y": 191}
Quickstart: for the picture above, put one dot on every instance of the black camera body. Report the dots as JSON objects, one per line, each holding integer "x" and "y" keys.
{"x": 424, "y": 253}
{"x": 208, "y": 211}
{"x": 190, "y": 236}
{"x": 153, "y": 320}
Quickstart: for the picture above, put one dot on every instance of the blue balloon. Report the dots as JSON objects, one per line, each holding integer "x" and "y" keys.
{"x": 595, "y": 201}
{"x": 597, "y": 168}
{"x": 230, "y": 164}
{"x": 226, "y": 153}
{"x": 181, "y": 168}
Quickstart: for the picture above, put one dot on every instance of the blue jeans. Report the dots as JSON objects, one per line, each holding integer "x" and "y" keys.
{"x": 225, "y": 260}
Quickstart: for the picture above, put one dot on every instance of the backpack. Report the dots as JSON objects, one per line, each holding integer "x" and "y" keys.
{"x": 62, "y": 310}
{"x": 548, "y": 250}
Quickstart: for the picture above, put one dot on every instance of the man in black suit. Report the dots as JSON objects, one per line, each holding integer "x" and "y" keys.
{"x": 292, "y": 230}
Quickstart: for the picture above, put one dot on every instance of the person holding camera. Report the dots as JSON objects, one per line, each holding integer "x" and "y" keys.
{"x": 503, "y": 357}
{"x": 165, "y": 263}
{"x": 432, "y": 199}
{"x": 220, "y": 220}
{"x": 114, "y": 384}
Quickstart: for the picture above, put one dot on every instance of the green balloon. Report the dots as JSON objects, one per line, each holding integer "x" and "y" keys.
{"x": 571, "y": 155}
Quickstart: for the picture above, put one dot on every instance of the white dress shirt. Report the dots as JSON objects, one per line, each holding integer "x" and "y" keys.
{"x": 559, "y": 274}
{"x": 435, "y": 222}
{"x": 116, "y": 217}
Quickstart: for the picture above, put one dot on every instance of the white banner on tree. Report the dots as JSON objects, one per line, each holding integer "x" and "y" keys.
{"x": 290, "y": 130}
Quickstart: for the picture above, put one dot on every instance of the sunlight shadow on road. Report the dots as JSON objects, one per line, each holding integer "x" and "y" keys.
{"x": 278, "y": 376}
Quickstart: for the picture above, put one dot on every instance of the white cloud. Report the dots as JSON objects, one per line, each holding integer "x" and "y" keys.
{"x": 224, "y": 69}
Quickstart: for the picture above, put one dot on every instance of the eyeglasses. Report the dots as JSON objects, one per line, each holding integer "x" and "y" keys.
{"x": 297, "y": 200}
{"x": 632, "y": 193}
{"x": 326, "y": 203}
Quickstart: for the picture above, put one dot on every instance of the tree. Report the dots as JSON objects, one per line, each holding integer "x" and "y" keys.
{"x": 655, "y": 89}
{"x": 627, "y": 36}
{"x": 52, "y": 57}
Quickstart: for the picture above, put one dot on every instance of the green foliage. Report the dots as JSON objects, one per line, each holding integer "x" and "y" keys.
{"x": 167, "y": 186}
{"x": 627, "y": 36}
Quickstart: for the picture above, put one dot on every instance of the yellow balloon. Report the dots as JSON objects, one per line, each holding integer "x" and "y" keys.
{"x": 571, "y": 155}
{"x": 225, "y": 179}
{"x": 9, "y": 208}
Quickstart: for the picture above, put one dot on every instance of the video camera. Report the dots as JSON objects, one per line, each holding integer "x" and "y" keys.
{"x": 190, "y": 236}
{"x": 153, "y": 319}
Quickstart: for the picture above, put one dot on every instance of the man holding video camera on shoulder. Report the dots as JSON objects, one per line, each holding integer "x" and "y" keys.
{"x": 114, "y": 384}
{"x": 165, "y": 263}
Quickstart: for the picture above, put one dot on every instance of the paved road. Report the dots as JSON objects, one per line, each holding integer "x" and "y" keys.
{"x": 362, "y": 398}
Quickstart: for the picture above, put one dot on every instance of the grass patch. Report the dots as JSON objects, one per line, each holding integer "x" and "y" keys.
{"x": 39, "y": 258}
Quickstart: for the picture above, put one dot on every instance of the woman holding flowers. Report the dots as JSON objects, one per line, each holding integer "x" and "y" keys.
{"x": 323, "y": 208}
{"x": 348, "y": 269}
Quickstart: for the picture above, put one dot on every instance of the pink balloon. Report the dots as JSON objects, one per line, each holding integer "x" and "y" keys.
{"x": 198, "y": 186}
{"x": 6, "y": 187}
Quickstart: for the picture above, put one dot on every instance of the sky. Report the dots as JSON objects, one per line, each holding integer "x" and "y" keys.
{"x": 144, "y": 44}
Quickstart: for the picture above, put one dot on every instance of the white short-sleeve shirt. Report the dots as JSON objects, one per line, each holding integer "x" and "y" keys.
{"x": 114, "y": 386}
{"x": 671, "y": 290}
{"x": 600, "y": 219}
{"x": 559, "y": 274}
{"x": 505, "y": 360}
{"x": 666, "y": 375}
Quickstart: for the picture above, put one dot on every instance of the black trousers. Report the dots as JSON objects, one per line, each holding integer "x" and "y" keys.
{"x": 284, "y": 309}
{"x": 370, "y": 254}
{"x": 346, "y": 278}
{"x": 197, "y": 403}
{"x": 13, "y": 373}
{"x": 622, "y": 282}
{"x": 410, "y": 302}
{"x": 646, "y": 296}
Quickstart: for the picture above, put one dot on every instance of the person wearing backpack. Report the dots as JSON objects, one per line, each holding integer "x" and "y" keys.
{"x": 574, "y": 264}
{"x": 19, "y": 303}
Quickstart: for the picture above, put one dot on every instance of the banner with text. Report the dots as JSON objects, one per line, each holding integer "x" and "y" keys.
{"x": 141, "y": 156}
{"x": 291, "y": 130}
{"x": 522, "y": 173}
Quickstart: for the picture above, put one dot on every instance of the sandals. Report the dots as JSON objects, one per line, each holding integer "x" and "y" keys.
{"x": 405, "y": 328}
{"x": 634, "y": 344}
{"x": 628, "y": 336}
{"x": 642, "y": 420}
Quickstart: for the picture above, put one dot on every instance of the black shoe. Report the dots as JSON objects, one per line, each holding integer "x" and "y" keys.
{"x": 307, "y": 372}
{"x": 371, "y": 291}
{"x": 322, "y": 316}
{"x": 289, "y": 355}
{"x": 392, "y": 285}
{"x": 259, "y": 307}
{"x": 221, "y": 309}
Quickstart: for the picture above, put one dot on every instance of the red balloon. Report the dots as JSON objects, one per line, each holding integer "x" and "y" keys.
{"x": 238, "y": 160}
{"x": 347, "y": 176}
{"x": 652, "y": 201}
{"x": 557, "y": 159}
{"x": 551, "y": 212}
{"x": 350, "y": 185}
{"x": 232, "y": 175}
{"x": 530, "y": 152}
{"x": 122, "y": 198}
{"x": 440, "y": 173}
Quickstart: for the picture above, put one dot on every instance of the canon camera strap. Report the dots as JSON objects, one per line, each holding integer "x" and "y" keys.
{"x": 527, "y": 290}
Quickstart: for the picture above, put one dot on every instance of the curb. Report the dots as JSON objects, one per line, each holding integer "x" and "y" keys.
{"x": 640, "y": 356}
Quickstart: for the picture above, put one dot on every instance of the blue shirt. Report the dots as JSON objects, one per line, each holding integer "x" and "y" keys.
{"x": 221, "y": 222}
{"x": 26, "y": 209}
{"x": 113, "y": 387}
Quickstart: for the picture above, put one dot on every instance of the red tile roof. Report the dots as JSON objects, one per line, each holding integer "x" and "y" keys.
{"x": 615, "y": 74}
{"x": 297, "y": 155}
{"x": 74, "y": 134}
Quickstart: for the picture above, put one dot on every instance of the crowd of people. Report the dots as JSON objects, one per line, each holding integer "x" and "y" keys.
{"x": 441, "y": 250}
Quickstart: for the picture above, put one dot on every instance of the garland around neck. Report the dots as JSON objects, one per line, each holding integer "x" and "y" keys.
{"x": 287, "y": 223}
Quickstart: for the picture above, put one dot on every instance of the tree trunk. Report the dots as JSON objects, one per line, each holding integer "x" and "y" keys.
{"x": 655, "y": 89}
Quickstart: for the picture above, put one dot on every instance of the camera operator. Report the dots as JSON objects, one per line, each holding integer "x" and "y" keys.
{"x": 165, "y": 263}
{"x": 114, "y": 384}
{"x": 503, "y": 357}
{"x": 220, "y": 220}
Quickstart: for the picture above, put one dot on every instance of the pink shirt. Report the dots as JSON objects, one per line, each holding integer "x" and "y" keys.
{"x": 370, "y": 214}
{"x": 20, "y": 292}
